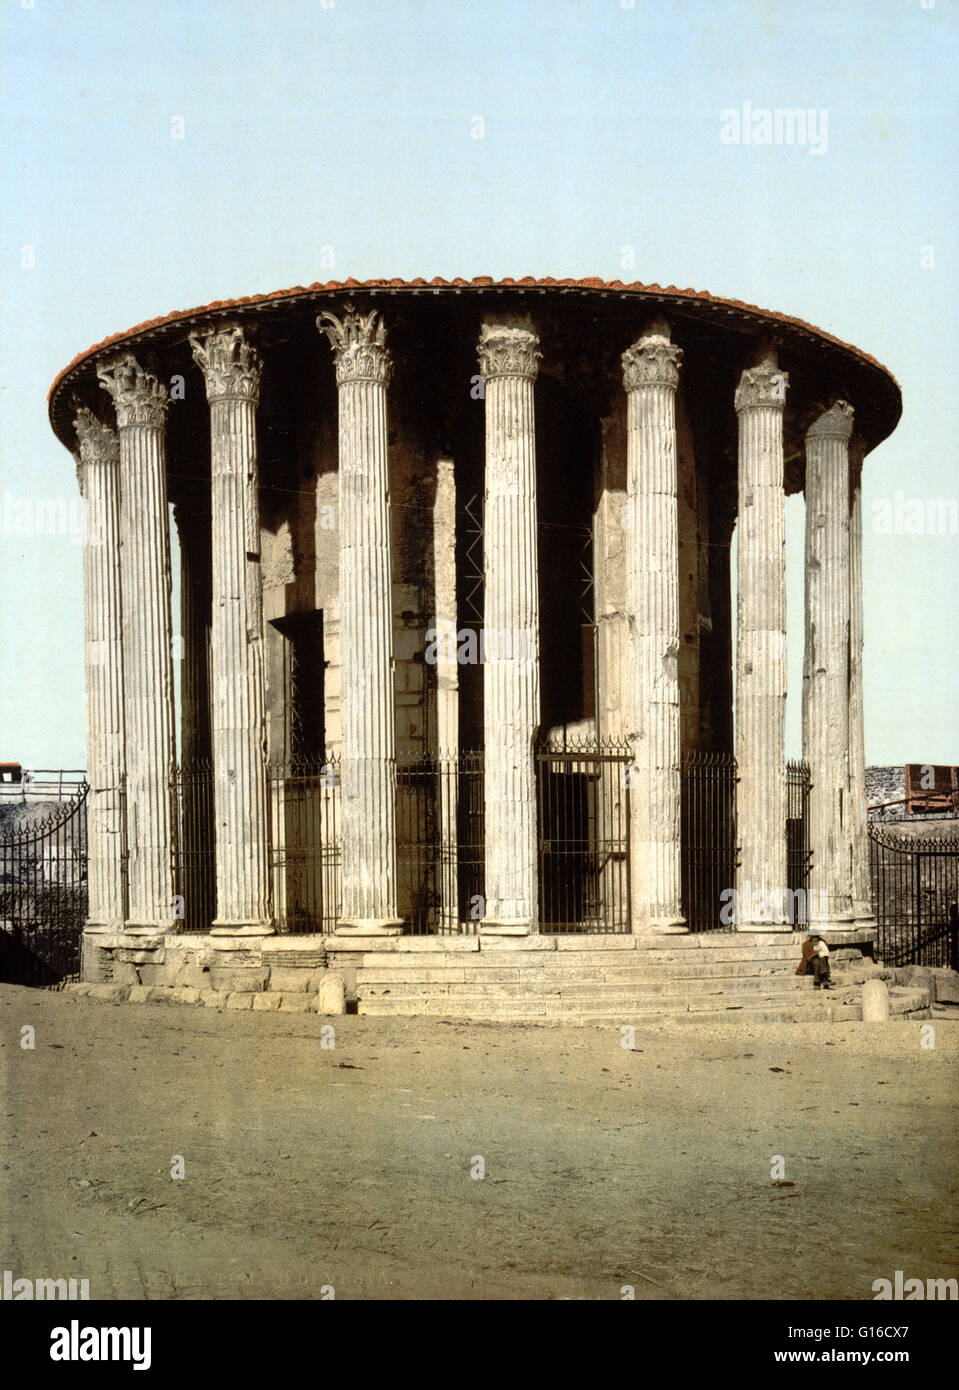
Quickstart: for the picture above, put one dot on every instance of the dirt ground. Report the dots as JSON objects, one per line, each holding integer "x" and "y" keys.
{"x": 310, "y": 1168}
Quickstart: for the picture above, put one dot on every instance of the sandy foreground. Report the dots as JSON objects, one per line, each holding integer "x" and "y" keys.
{"x": 356, "y": 1168}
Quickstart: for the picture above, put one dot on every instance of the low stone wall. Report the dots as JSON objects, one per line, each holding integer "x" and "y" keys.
{"x": 223, "y": 965}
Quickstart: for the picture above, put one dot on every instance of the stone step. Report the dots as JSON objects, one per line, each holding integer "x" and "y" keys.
{"x": 640, "y": 989}
{"x": 562, "y": 972}
{"x": 516, "y": 958}
{"x": 611, "y": 1016}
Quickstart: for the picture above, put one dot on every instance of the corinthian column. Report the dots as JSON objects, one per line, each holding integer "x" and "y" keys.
{"x": 826, "y": 665}
{"x": 368, "y": 767}
{"x": 141, "y": 406}
{"x": 99, "y": 474}
{"x": 231, "y": 368}
{"x": 761, "y": 651}
{"x": 650, "y": 377}
{"x": 508, "y": 358}
{"x": 447, "y": 689}
{"x": 858, "y": 815}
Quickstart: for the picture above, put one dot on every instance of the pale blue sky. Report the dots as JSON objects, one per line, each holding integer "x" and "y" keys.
{"x": 350, "y": 125}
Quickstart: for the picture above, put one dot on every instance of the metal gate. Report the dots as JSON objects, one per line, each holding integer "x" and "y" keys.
{"x": 915, "y": 895}
{"x": 43, "y": 895}
{"x": 708, "y": 837}
{"x": 583, "y": 795}
{"x": 439, "y": 838}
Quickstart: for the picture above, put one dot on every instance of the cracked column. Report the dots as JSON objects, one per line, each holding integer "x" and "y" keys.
{"x": 141, "y": 406}
{"x": 761, "y": 651}
{"x": 509, "y": 362}
{"x": 858, "y": 815}
{"x": 232, "y": 368}
{"x": 650, "y": 378}
{"x": 825, "y": 705}
{"x": 98, "y": 469}
{"x": 368, "y": 766}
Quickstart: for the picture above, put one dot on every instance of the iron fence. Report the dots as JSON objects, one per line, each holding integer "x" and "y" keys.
{"x": 194, "y": 861}
{"x": 440, "y": 843}
{"x": 43, "y": 894}
{"x": 798, "y": 851}
{"x": 304, "y": 801}
{"x": 584, "y": 792}
{"x": 915, "y": 895}
{"x": 708, "y": 831}
{"x": 583, "y": 795}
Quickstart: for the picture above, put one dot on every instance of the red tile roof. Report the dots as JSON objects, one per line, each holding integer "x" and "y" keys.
{"x": 478, "y": 282}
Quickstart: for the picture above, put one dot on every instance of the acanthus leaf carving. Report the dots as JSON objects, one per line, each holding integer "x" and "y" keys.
{"x": 834, "y": 423}
{"x": 764, "y": 385}
{"x": 359, "y": 346}
{"x": 508, "y": 351}
{"x": 231, "y": 366}
{"x": 652, "y": 361}
{"x": 138, "y": 398}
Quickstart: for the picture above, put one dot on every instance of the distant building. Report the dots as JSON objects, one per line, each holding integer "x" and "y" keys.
{"x": 926, "y": 790}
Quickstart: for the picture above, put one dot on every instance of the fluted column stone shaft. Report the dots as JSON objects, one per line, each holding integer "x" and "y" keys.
{"x": 826, "y": 664}
{"x": 858, "y": 815}
{"x": 141, "y": 405}
{"x": 447, "y": 688}
{"x": 368, "y": 767}
{"x": 509, "y": 358}
{"x": 232, "y": 369}
{"x": 761, "y": 651}
{"x": 99, "y": 473}
{"x": 650, "y": 377}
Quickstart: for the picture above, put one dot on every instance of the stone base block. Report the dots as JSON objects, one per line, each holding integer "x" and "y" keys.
{"x": 386, "y": 926}
{"x": 242, "y": 929}
{"x": 148, "y": 994}
{"x": 239, "y": 979}
{"x": 125, "y": 974}
{"x": 875, "y": 1002}
{"x": 331, "y": 996}
{"x": 507, "y": 926}
{"x": 516, "y": 941}
{"x": 295, "y": 1003}
{"x": 189, "y": 975}
{"x": 266, "y": 1001}
{"x": 127, "y": 955}
{"x": 287, "y": 981}
{"x": 666, "y": 926}
{"x": 112, "y": 993}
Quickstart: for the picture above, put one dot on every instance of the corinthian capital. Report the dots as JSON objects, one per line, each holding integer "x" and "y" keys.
{"x": 139, "y": 399}
{"x": 98, "y": 443}
{"x": 230, "y": 365}
{"x": 652, "y": 361}
{"x": 506, "y": 351}
{"x": 834, "y": 423}
{"x": 762, "y": 385}
{"x": 359, "y": 345}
